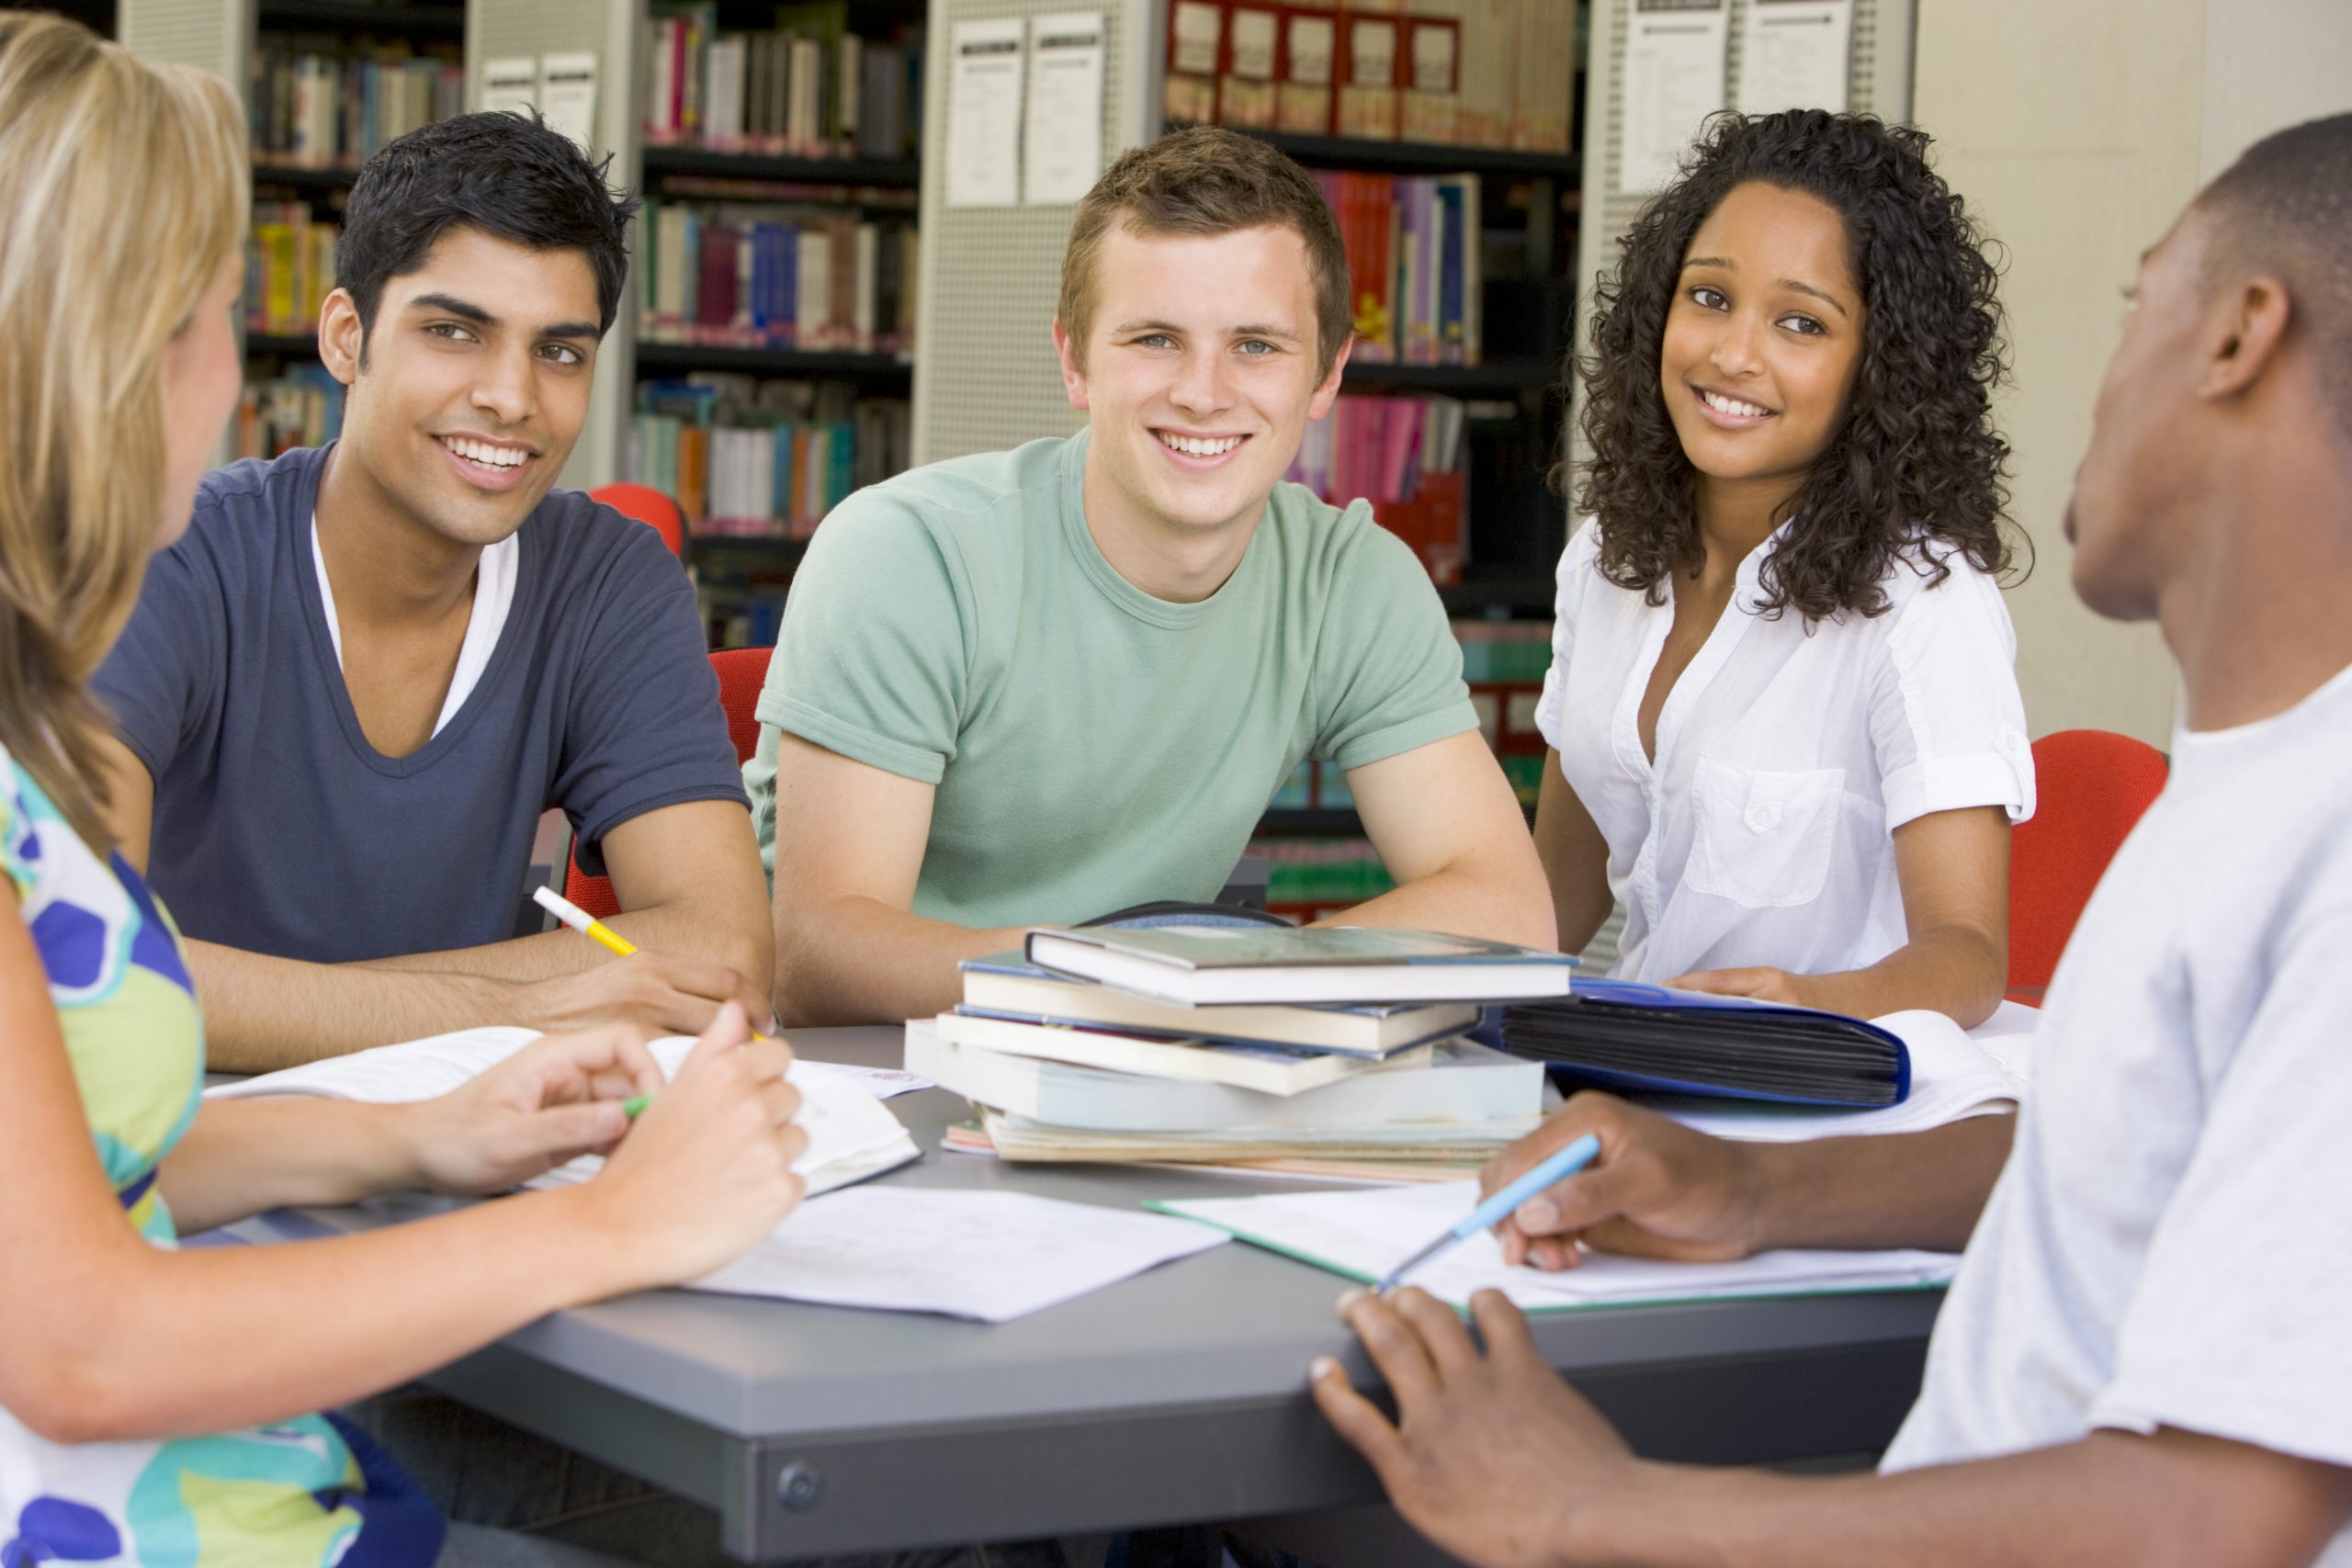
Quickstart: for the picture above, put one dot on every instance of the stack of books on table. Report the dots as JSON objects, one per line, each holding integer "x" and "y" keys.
{"x": 1316, "y": 1051}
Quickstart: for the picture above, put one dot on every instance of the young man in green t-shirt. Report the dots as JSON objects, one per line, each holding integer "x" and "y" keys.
{"x": 1036, "y": 686}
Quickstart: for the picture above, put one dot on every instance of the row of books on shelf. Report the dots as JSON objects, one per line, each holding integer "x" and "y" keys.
{"x": 301, "y": 407}
{"x": 808, "y": 87}
{"x": 761, "y": 460}
{"x": 1415, "y": 264}
{"x": 290, "y": 267}
{"x": 776, "y": 276}
{"x": 320, "y": 110}
{"x": 1466, "y": 73}
{"x": 1407, "y": 456}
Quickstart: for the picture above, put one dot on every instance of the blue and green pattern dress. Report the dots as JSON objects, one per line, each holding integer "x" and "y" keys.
{"x": 302, "y": 1494}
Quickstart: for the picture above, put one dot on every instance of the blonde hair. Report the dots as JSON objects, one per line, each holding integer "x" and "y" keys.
{"x": 124, "y": 189}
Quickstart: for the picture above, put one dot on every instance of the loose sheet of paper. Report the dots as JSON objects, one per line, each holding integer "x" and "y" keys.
{"x": 988, "y": 1256}
{"x": 851, "y": 1135}
{"x": 511, "y": 86}
{"x": 1062, "y": 144}
{"x": 1793, "y": 54}
{"x": 984, "y": 113}
{"x": 1675, "y": 53}
{"x": 1953, "y": 1076}
{"x": 568, "y": 94}
{"x": 1363, "y": 1235}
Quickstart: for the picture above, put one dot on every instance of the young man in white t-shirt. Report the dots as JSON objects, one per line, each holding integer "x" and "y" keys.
{"x": 2147, "y": 1355}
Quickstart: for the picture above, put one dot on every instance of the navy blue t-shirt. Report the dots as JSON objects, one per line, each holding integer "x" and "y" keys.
{"x": 279, "y": 829}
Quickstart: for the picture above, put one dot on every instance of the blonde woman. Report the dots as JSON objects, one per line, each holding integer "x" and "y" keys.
{"x": 153, "y": 1402}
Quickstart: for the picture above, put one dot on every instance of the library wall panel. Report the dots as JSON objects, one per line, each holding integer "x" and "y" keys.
{"x": 986, "y": 377}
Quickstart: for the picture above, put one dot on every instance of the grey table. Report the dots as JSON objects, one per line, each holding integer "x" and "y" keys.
{"x": 1176, "y": 1396}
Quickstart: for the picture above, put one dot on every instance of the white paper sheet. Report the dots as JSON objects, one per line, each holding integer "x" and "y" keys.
{"x": 1794, "y": 54}
{"x": 568, "y": 94}
{"x": 988, "y": 1256}
{"x": 984, "y": 113}
{"x": 850, "y": 1134}
{"x": 1675, "y": 53}
{"x": 1953, "y": 1076}
{"x": 1062, "y": 142}
{"x": 510, "y": 85}
{"x": 1364, "y": 1234}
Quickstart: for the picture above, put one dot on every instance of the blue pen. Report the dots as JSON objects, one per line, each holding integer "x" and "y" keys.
{"x": 1559, "y": 1167}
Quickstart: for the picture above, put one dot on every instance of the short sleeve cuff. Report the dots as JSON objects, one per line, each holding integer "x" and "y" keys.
{"x": 2002, "y": 777}
{"x": 2220, "y": 1413}
{"x": 1551, "y": 707}
{"x": 858, "y": 744}
{"x": 1398, "y": 738}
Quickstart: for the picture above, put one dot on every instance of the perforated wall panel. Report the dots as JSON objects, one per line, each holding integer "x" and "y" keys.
{"x": 986, "y": 377}
{"x": 1878, "y": 82}
{"x": 212, "y": 34}
{"x": 498, "y": 29}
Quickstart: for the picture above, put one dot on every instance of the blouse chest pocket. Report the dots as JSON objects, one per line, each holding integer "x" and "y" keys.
{"x": 1762, "y": 839}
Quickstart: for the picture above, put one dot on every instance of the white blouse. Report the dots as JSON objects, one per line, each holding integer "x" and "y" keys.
{"x": 1787, "y": 755}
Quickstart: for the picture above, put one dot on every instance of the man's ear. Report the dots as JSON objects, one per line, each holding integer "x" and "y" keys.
{"x": 2249, "y": 324}
{"x": 1321, "y": 404}
{"x": 1073, "y": 374}
{"x": 342, "y": 341}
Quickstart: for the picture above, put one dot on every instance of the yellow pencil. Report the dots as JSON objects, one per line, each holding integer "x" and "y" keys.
{"x": 580, "y": 920}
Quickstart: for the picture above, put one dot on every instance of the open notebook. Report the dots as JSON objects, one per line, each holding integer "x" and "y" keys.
{"x": 852, "y": 1135}
{"x": 1364, "y": 1234}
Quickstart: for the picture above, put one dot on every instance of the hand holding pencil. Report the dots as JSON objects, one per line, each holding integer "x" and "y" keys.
{"x": 662, "y": 992}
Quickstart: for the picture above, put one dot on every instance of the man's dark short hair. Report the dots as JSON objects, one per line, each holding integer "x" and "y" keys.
{"x": 512, "y": 177}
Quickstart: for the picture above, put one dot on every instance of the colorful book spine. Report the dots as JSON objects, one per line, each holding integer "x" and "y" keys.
{"x": 808, "y": 87}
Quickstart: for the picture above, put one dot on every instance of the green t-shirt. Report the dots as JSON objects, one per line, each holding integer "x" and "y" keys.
{"x": 1093, "y": 747}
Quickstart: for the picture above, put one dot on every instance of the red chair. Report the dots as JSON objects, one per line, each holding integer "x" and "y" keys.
{"x": 742, "y": 673}
{"x": 648, "y": 506}
{"x": 2093, "y": 784}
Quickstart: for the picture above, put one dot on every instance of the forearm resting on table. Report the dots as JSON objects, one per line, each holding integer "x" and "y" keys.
{"x": 1463, "y": 900}
{"x": 241, "y": 1157}
{"x": 854, "y": 959}
{"x": 2114, "y": 1497}
{"x": 1956, "y": 970}
{"x": 165, "y": 1345}
{"x": 1923, "y": 1190}
{"x": 262, "y": 1013}
{"x": 681, "y": 928}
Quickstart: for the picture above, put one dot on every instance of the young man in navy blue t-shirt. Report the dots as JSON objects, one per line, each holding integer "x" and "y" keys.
{"x": 350, "y": 691}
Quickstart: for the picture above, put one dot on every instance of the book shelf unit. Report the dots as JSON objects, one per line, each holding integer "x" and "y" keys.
{"x": 742, "y": 577}
{"x": 290, "y": 397}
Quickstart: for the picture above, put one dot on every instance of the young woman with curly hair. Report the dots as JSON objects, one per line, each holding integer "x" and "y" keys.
{"x": 1785, "y": 727}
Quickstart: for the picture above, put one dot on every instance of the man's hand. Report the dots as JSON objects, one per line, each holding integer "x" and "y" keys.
{"x": 557, "y": 1098}
{"x": 1657, "y": 1190}
{"x": 1491, "y": 1455}
{"x": 1763, "y": 984}
{"x": 662, "y": 993}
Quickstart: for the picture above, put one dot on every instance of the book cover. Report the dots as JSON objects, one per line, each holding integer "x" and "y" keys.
{"x": 1307, "y": 70}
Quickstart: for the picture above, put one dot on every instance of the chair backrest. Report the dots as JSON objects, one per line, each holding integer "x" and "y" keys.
{"x": 648, "y": 506}
{"x": 742, "y": 673}
{"x": 2092, "y": 787}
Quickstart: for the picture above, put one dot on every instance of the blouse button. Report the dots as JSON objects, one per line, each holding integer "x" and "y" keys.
{"x": 1761, "y": 816}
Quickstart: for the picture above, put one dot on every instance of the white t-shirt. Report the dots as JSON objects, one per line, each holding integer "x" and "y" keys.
{"x": 1787, "y": 755}
{"x": 494, "y": 596}
{"x": 2171, "y": 1241}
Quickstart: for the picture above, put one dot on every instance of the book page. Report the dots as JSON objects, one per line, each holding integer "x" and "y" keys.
{"x": 1364, "y": 1234}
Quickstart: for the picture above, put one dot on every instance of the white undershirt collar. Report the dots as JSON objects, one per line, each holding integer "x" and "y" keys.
{"x": 493, "y": 597}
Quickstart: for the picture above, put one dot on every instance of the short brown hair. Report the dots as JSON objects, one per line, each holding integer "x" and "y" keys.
{"x": 1208, "y": 180}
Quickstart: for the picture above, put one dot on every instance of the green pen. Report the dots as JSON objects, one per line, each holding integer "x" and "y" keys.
{"x": 634, "y": 1106}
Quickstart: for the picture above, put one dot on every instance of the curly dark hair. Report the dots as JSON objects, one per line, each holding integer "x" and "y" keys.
{"x": 1915, "y": 464}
